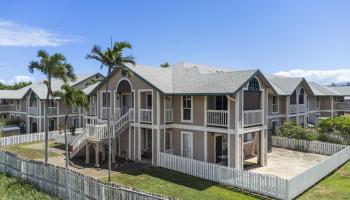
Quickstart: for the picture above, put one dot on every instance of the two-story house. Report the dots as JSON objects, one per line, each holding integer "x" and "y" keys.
{"x": 187, "y": 109}
{"x": 289, "y": 103}
{"x": 28, "y": 104}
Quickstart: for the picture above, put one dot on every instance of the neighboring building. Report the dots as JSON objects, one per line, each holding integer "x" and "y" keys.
{"x": 187, "y": 109}
{"x": 343, "y": 103}
{"x": 28, "y": 105}
{"x": 289, "y": 103}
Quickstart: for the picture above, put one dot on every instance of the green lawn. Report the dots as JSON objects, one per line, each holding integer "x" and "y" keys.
{"x": 33, "y": 150}
{"x": 336, "y": 186}
{"x": 13, "y": 188}
{"x": 174, "y": 184}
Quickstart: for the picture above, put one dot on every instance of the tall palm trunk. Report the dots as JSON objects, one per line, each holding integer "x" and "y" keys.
{"x": 65, "y": 137}
{"x": 108, "y": 129}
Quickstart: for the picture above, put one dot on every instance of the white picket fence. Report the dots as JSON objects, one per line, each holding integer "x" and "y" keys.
{"x": 26, "y": 138}
{"x": 318, "y": 147}
{"x": 67, "y": 184}
{"x": 264, "y": 184}
{"x": 311, "y": 176}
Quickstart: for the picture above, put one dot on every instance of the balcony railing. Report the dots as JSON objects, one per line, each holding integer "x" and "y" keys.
{"x": 252, "y": 117}
{"x": 98, "y": 132}
{"x": 275, "y": 108}
{"x": 168, "y": 115}
{"x": 33, "y": 110}
{"x": 91, "y": 111}
{"x": 292, "y": 108}
{"x": 341, "y": 105}
{"x": 146, "y": 115}
{"x": 52, "y": 111}
{"x": 302, "y": 108}
{"x": 217, "y": 117}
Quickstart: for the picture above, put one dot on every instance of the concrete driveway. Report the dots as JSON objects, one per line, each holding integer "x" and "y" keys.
{"x": 286, "y": 163}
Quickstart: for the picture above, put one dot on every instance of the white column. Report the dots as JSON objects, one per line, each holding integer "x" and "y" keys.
{"x": 139, "y": 144}
{"x": 158, "y": 127}
{"x": 205, "y": 110}
{"x": 97, "y": 157}
{"x": 205, "y": 146}
{"x": 237, "y": 154}
{"x": 87, "y": 153}
{"x": 332, "y": 101}
{"x": 129, "y": 144}
{"x": 134, "y": 143}
{"x": 287, "y": 107}
{"x": 228, "y": 149}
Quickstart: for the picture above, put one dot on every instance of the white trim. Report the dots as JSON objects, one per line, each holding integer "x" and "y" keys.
{"x": 191, "y": 134}
{"x": 182, "y": 119}
{"x": 205, "y": 146}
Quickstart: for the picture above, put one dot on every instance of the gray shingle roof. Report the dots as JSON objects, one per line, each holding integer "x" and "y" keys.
{"x": 90, "y": 88}
{"x": 188, "y": 78}
{"x": 320, "y": 90}
{"x": 344, "y": 90}
{"x": 40, "y": 89}
{"x": 284, "y": 85}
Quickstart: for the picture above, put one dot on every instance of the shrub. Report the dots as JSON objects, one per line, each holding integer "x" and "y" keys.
{"x": 292, "y": 130}
{"x": 330, "y": 125}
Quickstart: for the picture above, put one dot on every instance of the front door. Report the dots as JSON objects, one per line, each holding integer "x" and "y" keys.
{"x": 187, "y": 142}
{"x": 126, "y": 103}
{"x": 220, "y": 149}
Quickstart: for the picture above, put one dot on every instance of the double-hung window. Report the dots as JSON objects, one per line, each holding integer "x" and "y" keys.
{"x": 318, "y": 102}
{"x": 187, "y": 108}
{"x": 106, "y": 97}
{"x": 275, "y": 104}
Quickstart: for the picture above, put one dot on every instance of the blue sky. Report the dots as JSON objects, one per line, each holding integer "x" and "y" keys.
{"x": 294, "y": 38}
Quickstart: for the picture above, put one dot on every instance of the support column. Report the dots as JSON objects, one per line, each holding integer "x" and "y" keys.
{"x": 332, "y": 108}
{"x": 134, "y": 143}
{"x": 139, "y": 144}
{"x": 205, "y": 146}
{"x": 97, "y": 157}
{"x": 237, "y": 152}
{"x": 102, "y": 148}
{"x": 87, "y": 153}
{"x": 114, "y": 145}
{"x": 228, "y": 149}
{"x": 129, "y": 144}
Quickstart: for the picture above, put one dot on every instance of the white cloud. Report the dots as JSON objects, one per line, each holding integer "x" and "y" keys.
{"x": 18, "y": 78}
{"x": 14, "y": 34}
{"x": 320, "y": 76}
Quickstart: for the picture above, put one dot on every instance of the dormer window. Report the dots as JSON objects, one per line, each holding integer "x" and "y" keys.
{"x": 254, "y": 85}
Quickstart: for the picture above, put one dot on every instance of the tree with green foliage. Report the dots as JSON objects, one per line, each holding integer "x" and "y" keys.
{"x": 71, "y": 98}
{"x": 16, "y": 86}
{"x": 165, "y": 65}
{"x": 51, "y": 66}
{"x": 114, "y": 60}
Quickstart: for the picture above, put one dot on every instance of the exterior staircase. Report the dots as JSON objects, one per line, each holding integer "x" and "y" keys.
{"x": 99, "y": 132}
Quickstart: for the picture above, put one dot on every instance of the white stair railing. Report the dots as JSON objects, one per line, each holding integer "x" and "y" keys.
{"x": 123, "y": 120}
{"x": 80, "y": 140}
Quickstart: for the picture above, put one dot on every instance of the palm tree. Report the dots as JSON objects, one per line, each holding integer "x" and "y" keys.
{"x": 71, "y": 98}
{"x": 54, "y": 66}
{"x": 113, "y": 59}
